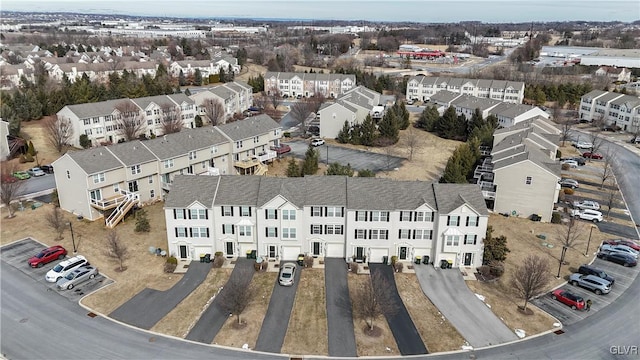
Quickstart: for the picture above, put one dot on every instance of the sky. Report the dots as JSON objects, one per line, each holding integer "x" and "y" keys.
{"x": 427, "y": 11}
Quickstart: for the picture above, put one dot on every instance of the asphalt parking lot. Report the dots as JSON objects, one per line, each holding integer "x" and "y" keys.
{"x": 623, "y": 276}
{"x": 358, "y": 159}
{"x": 17, "y": 253}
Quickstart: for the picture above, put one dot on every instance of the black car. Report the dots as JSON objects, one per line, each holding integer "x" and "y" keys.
{"x": 47, "y": 168}
{"x": 591, "y": 270}
{"x": 618, "y": 258}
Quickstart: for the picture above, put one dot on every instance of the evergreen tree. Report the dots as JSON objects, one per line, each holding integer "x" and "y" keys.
{"x": 310, "y": 164}
{"x": 367, "y": 132}
{"x": 198, "y": 120}
{"x": 197, "y": 78}
{"x": 428, "y": 119}
{"x": 446, "y": 124}
{"x": 476, "y": 120}
{"x": 453, "y": 172}
{"x": 222, "y": 76}
{"x": 293, "y": 170}
{"x": 343, "y": 135}
{"x": 366, "y": 173}
{"x": 337, "y": 169}
{"x": 142, "y": 221}
{"x": 402, "y": 114}
{"x": 182, "y": 81}
{"x": 388, "y": 127}
{"x": 31, "y": 149}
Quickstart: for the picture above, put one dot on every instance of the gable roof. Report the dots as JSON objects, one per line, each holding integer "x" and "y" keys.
{"x": 189, "y": 188}
{"x": 102, "y": 108}
{"x": 95, "y": 160}
{"x": 451, "y": 196}
{"x": 249, "y": 127}
{"x": 131, "y": 153}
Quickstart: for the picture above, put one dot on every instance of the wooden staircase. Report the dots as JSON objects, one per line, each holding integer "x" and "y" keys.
{"x": 131, "y": 199}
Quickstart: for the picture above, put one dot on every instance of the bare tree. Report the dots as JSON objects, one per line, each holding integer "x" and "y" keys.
{"x": 171, "y": 118}
{"x": 569, "y": 235}
{"x": 370, "y": 302}
{"x": 612, "y": 197}
{"x": 116, "y": 249}
{"x": 607, "y": 170}
{"x": 10, "y": 187}
{"x": 129, "y": 121}
{"x": 59, "y": 131}
{"x": 596, "y": 142}
{"x": 412, "y": 141}
{"x": 275, "y": 99}
{"x": 598, "y": 121}
{"x": 566, "y": 131}
{"x": 214, "y": 110}
{"x": 316, "y": 101}
{"x": 56, "y": 221}
{"x": 531, "y": 278}
{"x": 300, "y": 111}
{"x": 237, "y": 294}
{"x": 260, "y": 101}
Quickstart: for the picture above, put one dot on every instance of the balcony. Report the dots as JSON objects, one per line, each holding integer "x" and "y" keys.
{"x": 110, "y": 202}
{"x": 251, "y": 166}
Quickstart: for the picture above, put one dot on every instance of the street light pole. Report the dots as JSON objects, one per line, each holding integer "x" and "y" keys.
{"x": 73, "y": 239}
{"x": 589, "y": 241}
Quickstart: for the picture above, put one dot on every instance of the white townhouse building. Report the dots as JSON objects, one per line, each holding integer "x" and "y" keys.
{"x": 614, "y": 109}
{"x": 361, "y": 219}
{"x": 353, "y": 107}
{"x": 293, "y": 84}
{"x": 236, "y": 97}
{"x": 206, "y": 67}
{"x": 422, "y": 88}
{"x": 99, "y": 121}
{"x": 4, "y": 141}
{"x": 107, "y": 181}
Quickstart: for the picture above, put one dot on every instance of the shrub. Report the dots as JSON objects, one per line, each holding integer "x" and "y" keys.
{"x": 169, "y": 268}
{"x": 484, "y": 270}
{"x": 264, "y": 265}
{"x": 23, "y": 159}
{"x": 558, "y": 154}
{"x": 218, "y": 261}
{"x": 308, "y": 261}
{"x": 257, "y": 266}
{"x": 142, "y": 221}
{"x": 561, "y": 196}
{"x": 353, "y": 267}
{"x": 394, "y": 259}
{"x": 569, "y": 191}
{"x": 566, "y": 167}
{"x": 28, "y": 158}
{"x": 556, "y": 218}
{"x": 172, "y": 260}
{"x": 84, "y": 141}
{"x": 218, "y": 254}
{"x": 398, "y": 267}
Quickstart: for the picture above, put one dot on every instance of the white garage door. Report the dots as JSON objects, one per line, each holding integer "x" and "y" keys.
{"x": 377, "y": 255}
{"x": 244, "y": 248}
{"x": 335, "y": 250}
{"x": 290, "y": 252}
{"x": 203, "y": 250}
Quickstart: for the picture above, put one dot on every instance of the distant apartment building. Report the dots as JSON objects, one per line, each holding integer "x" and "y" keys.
{"x": 422, "y": 88}
{"x": 613, "y": 109}
{"x": 235, "y": 97}
{"x": 206, "y": 67}
{"x": 353, "y": 107}
{"x": 291, "y": 84}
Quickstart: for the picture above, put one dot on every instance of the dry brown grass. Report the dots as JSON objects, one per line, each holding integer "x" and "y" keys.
{"x": 262, "y": 284}
{"x": 180, "y": 320}
{"x": 250, "y": 70}
{"x": 436, "y": 332}
{"x": 367, "y": 345}
{"x": 307, "y": 331}
{"x": 34, "y": 131}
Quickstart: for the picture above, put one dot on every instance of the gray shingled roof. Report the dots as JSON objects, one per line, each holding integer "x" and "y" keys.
{"x": 98, "y": 109}
{"x": 445, "y": 96}
{"x": 244, "y": 129}
{"x": 132, "y": 153}
{"x": 292, "y": 189}
{"x": 451, "y": 196}
{"x": 95, "y": 160}
{"x": 237, "y": 190}
{"x": 187, "y": 189}
{"x": 160, "y": 100}
{"x": 325, "y": 190}
{"x": 608, "y": 97}
{"x": 536, "y": 156}
{"x": 593, "y": 94}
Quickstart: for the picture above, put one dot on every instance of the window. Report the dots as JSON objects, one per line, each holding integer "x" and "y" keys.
{"x": 470, "y": 239}
{"x": 288, "y": 215}
{"x": 168, "y": 163}
{"x": 473, "y": 220}
{"x": 375, "y": 234}
{"x": 288, "y": 233}
{"x": 316, "y": 229}
{"x": 152, "y": 193}
{"x": 453, "y": 240}
{"x": 178, "y": 214}
{"x": 333, "y": 229}
{"x": 424, "y": 216}
{"x": 181, "y": 232}
{"x": 150, "y": 179}
{"x": 192, "y": 155}
{"x": 271, "y": 232}
{"x": 528, "y": 180}
{"x": 116, "y": 188}
{"x": 453, "y": 220}
{"x": 214, "y": 150}
{"x": 405, "y": 215}
{"x": 316, "y": 211}
{"x": 245, "y": 210}
{"x": 68, "y": 175}
{"x": 333, "y": 211}
{"x": 379, "y": 216}
{"x": 239, "y": 144}
{"x": 135, "y": 169}
{"x": 361, "y": 216}
{"x": 227, "y": 211}
{"x": 98, "y": 178}
{"x": 244, "y": 230}
{"x": 198, "y": 214}
{"x": 361, "y": 234}
{"x": 404, "y": 233}
{"x": 228, "y": 229}
{"x": 422, "y": 234}
{"x": 271, "y": 214}
{"x": 200, "y": 232}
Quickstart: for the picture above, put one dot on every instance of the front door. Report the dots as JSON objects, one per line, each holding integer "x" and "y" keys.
{"x": 359, "y": 253}
{"x": 403, "y": 253}
{"x": 229, "y": 248}
{"x": 316, "y": 248}
{"x": 183, "y": 251}
{"x": 467, "y": 259}
{"x": 272, "y": 251}
{"x": 96, "y": 195}
{"x": 133, "y": 186}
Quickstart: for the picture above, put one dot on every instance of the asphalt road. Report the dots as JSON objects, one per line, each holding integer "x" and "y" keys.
{"x": 471, "y": 317}
{"x": 404, "y": 331}
{"x": 342, "y": 340}
{"x": 37, "y": 185}
{"x": 276, "y": 320}
{"x": 212, "y": 319}
{"x": 149, "y": 306}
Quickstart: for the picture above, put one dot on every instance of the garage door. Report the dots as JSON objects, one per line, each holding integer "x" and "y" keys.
{"x": 244, "y": 248}
{"x": 335, "y": 250}
{"x": 377, "y": 255}
{"x": 422, "y": 252}
{"x": 290, "y": 252}
{"x": 202, "y": 250}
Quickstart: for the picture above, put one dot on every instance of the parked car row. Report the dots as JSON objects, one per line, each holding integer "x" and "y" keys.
{"x": 67, "y": 273}
{"x": 578, "y": 159}
{"x": 587, "y": 214}
{"x": 24, "y": 175}
{"x": 618, "y": 258}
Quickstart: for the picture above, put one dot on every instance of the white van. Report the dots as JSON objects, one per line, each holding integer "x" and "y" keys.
{"x": 65, "y": 267}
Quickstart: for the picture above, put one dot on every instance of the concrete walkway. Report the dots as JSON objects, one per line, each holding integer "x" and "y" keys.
{"x": 342, "y": 340}
{"x": 468, "y": 314}
{"x": 214, "y": 317}
{"x": 404, "y": 331}
{"x": 149, "y": 306}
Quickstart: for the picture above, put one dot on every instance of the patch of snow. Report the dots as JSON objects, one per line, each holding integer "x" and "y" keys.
{"x": 245, "y": 346}
{"x": 482, "y": 298}
{"x": 467, "y": 347}
{"x": 489, "y": 306}
{"x": 557, "y": 324}
{"x": 521, "y": 334}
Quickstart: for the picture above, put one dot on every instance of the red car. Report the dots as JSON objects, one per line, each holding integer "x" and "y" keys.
{"x": 282, "y": 149}
{"x": 47, "y": 255}
{"x": 628, "y": 243}
{"x": 591, "y": 155}
{"x": 567, "y": 298}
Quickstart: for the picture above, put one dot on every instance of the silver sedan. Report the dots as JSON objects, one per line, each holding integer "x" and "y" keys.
{"x": 287, "y": 274}
{"x": 76, "y": 277}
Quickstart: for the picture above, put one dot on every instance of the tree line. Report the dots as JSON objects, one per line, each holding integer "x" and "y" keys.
{"x": 563, "y": 94}
{"x": 385, "y": 132}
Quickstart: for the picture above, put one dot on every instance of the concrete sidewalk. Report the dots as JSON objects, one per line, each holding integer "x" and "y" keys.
{"x": 470, "y": 316}
{"x": 149, "y": 306}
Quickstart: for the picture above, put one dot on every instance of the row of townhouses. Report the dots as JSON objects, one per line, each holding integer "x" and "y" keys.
{"x": 102, "y": 121}
{"x": 107, "y": 181}
{"x": 422, "y": 88}
{"x": 294, "y": 84}
{"x": 615, "y": 109}
{"x": 508, "y": 113}
{"x": 521, "y": 175}
{"x": 352, "y": 107}
{"x": 361, "y": 219}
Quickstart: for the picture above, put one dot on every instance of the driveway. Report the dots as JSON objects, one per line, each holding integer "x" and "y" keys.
{"x": 468, "y": 314}
{"x": 213, "y": 318}
{"x": 400, "y": 323}
{"x": 342, "y": 340}
{"x": 276, "y": 320}
{"x": 149, "y": 306}
{"x": 358, "y": 159}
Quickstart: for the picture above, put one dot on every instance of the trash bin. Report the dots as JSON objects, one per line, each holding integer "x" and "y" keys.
{"x": 449, "y": 264}
{"x": 444, "y": 264}
{"x": 202, "y": 256}
{"x": 385, "y": 260}
{"x": 417, "y": 260}
{"x": 251, "y": 254}
{"x": 425, "y": 259}
{"x": 207, "y": 258}
{"x": 300, "y": 259}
